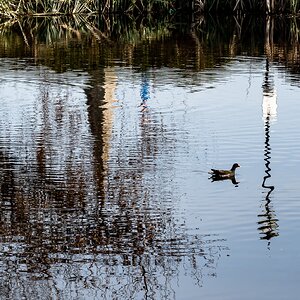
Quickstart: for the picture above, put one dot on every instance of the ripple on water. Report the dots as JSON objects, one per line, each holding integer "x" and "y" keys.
{"x": 87, "y": 179}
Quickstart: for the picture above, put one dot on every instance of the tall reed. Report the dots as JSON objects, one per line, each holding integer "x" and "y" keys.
{"x": 12, "y": 8}
{"x": 47, "y": 7}
{"x": 138, "y": 6}
{"x": 259, "y": 6}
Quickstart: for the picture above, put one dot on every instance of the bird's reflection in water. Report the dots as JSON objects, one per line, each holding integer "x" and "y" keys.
{"x": 231, "y": 178}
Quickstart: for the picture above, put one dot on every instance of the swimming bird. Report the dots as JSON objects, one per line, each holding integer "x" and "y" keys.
{"x": 224, "y": 173}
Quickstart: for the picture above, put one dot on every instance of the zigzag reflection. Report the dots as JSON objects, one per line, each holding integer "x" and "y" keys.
{"x": 268, "y": 223}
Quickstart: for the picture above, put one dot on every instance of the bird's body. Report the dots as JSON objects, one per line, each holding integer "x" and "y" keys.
{"x": 224, "y": 173}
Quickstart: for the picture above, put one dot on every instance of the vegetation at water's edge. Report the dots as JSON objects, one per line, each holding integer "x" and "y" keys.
{"x": 14, "y": 8}
{"x": 124, "y": 39}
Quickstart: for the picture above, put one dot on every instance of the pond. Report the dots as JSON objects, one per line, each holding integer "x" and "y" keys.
{"x": 105, "y": 149}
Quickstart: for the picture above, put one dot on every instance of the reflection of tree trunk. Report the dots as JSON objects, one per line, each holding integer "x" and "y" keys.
{"x": 236, "y": 36}
{"x": 270, "y": 6}
{"x": 95, "y": 98}
{"x": 269, "y": 33}
{"x": 100, "y": 98}
{"x": 107, "y": 123}
{"x": 198, "y": 50}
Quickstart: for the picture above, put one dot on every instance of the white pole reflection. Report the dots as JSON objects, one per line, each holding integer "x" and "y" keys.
{"x": 267, "y": 218}
{"x": 269, "y": 105}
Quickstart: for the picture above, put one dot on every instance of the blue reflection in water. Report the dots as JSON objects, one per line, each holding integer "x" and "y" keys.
{"x": 145, "y": 91}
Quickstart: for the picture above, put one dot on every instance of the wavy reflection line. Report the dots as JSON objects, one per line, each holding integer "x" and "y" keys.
{"x": 268, "y": 225}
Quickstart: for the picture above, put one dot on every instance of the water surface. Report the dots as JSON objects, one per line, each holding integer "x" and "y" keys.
{"x": 104, "y": 160}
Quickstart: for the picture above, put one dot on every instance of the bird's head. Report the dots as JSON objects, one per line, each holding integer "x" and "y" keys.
{"x": 234, "y": 166}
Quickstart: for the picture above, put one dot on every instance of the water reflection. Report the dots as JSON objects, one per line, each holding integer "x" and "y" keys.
{"x": 89, "y": 198}
{"x": 145, "y": 91}
{"x": 83, "y": 43}
{"x": 232, "y": 179}
{"x": 268, "y": 223}
{"x": 84, "y": 208}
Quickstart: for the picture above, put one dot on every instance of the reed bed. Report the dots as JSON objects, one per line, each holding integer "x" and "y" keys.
{"x": 250, "y": 6}
{"x": 137, "y": 6}
{"x": 13, "y": 8}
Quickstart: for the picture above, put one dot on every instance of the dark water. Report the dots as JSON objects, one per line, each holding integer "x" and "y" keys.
{"x": 105, "y": 147}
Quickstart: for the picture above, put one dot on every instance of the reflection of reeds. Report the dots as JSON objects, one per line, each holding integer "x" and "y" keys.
{"x": 48, "y": 29}
{"x": 119, "y": 37}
